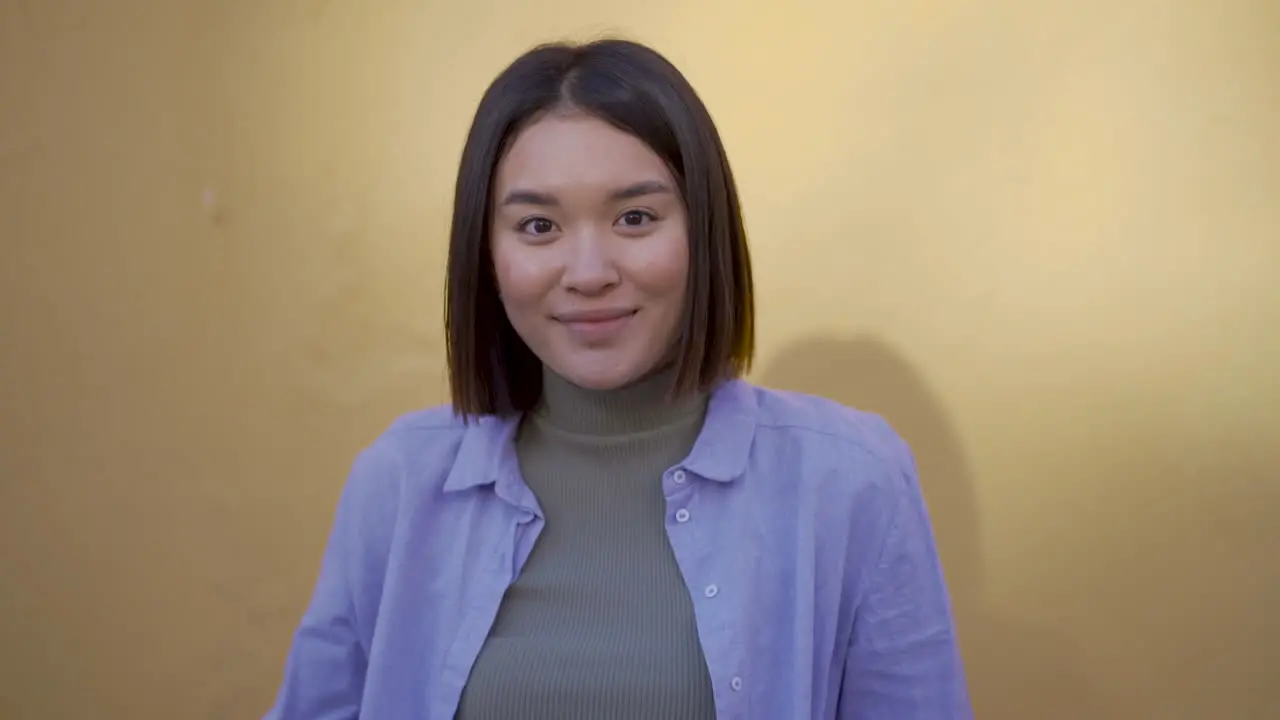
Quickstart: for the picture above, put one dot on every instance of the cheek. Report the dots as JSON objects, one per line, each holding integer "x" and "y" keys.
{"x": 520, "y": 279}
{"x": 665, "y": 270}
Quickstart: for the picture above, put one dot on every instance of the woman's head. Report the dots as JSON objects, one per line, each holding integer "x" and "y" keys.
{"x": 596, "y": 229}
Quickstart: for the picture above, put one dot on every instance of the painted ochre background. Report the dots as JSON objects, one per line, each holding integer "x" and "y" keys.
{"x": 1043, "y": 238}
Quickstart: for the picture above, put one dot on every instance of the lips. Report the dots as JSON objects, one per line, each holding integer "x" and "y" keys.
{"x": 596, "y": 327}
{"x": 594, "y": 316}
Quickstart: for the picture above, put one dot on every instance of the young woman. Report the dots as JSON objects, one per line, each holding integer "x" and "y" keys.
{"x": 608, "y": 522}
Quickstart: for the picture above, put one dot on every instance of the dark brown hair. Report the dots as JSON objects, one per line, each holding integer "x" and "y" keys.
{"x": 491, "y": 370}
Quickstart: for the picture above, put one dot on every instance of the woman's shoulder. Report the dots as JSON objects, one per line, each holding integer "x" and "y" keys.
{"x": 438, "y": 423}
{"x": 820, "y": 421}
{"x": 416, "y": 430}
{"x": 805, "y": 445}
{"x": 419, "y": 449}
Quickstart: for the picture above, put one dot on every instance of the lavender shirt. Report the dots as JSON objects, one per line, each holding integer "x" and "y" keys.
{"x": 798, "y": 524}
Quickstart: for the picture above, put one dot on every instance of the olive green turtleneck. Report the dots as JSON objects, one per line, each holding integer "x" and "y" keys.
{"x": 599, "y": 624}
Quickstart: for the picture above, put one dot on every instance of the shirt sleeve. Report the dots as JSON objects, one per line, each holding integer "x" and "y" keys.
{"x": 904, "y": 662}
{"x": 325, "y": 669}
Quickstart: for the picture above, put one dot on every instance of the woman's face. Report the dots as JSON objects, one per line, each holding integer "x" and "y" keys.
{"x": 590, "y": 249}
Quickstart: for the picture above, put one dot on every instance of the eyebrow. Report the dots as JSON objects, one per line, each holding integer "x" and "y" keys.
{"x": 630, "y": 192}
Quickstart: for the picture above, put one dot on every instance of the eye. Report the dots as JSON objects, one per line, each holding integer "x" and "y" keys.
{"x": 536, "y": 226}
{"x": 636, "y": 218}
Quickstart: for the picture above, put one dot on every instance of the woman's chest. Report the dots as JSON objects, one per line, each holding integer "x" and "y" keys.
{"x": 765, "y": 589}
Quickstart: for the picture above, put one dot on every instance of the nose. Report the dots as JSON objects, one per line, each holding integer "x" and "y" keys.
{"x": 590, "y": 268}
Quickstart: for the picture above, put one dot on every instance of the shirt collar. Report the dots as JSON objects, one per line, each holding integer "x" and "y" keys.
{"x": 487, "y": 454}
{"x": 720, "y": 453}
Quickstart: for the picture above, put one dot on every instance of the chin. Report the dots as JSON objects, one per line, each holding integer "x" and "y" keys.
{"x": 599, "y": 378}
{"x": 599, "y": 381}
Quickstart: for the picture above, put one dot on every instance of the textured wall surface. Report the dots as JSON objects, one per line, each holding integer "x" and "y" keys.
{"x": 1042, "y": 238}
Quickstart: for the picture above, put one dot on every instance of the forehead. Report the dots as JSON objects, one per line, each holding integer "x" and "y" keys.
{"x": 577, "y": 152}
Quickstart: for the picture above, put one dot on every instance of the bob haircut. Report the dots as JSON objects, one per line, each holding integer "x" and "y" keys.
{"x": 491, "y": 370}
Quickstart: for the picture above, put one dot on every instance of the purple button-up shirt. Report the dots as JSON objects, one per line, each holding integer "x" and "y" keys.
{"x": 801, "y": 533}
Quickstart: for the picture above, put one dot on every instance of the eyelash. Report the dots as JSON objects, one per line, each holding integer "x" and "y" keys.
{"x": 643, "y": 213}
{"x": 524, "y": 225}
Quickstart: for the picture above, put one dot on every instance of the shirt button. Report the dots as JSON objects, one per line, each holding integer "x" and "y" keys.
{"x": 679, "y": 477}
{"x": 712, "y": 591}
{"x": 682, "y": 515}
{"x": 736, "y": 683}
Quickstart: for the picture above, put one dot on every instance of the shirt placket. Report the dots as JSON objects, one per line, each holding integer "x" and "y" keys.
{"x": 710, "y": 588}
{"x": 507, "y": 555}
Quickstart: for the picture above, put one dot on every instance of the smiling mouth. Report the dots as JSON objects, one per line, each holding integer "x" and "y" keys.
{"x": 596, "y": 328}
{"x": 595, "y": 317}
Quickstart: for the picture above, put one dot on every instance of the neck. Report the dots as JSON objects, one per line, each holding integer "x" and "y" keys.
{"x": 645, "y": 404}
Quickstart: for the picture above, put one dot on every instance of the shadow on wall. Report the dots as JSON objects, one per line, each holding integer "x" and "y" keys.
{"x": 1015, "y": 672}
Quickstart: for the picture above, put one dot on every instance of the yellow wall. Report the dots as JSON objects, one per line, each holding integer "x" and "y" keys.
{"x": 1042, "y": 237}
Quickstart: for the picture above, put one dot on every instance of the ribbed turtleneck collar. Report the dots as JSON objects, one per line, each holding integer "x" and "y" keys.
{"x": 641, "y": 406}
